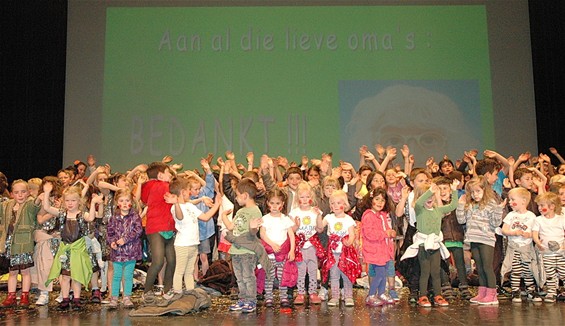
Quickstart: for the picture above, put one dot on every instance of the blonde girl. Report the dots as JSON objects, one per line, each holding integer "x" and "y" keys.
{"x": 340, "y": 225}
{"x": 305, "y": 215}
{"x": 479, "y": 210}
{"x": 72, "y": 252}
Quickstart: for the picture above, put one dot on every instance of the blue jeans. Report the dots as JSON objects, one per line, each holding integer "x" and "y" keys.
{"x": 124, "y": 269}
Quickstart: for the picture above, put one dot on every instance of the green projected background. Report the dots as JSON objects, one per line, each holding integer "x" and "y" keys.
{"x": 188, "y": 81}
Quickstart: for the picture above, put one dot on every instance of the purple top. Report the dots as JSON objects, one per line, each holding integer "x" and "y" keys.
{"x": 129, "y": 228}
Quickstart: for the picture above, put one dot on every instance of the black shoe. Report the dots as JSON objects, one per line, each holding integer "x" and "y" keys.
{"x": 414, "y": 296}
{"x": 503, "y": 294}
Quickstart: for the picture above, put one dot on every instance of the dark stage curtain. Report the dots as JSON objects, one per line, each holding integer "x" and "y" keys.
{"x": 32, "y": 92}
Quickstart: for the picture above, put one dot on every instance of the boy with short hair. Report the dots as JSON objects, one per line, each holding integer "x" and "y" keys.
{"x": 524, "y": 178}
{"x": 520, "y": 254}
{"x": 246, "y": 222}
{"x": 186, "y": 216}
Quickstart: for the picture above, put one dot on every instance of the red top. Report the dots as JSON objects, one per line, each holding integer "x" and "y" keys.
{"x": 378, "y": 248}
{"x": 159, "y": 217}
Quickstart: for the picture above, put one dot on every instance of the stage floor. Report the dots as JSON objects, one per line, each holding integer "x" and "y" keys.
{"x": 458, "y": 313}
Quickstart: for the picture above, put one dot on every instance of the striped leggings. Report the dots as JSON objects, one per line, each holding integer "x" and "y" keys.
{"x": 553, "y": 265}
{"x": 521, "y": 269}
{"x": 278, "y": 271}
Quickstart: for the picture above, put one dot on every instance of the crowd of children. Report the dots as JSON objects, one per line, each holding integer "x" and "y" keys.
{"x": 312, "y": 225}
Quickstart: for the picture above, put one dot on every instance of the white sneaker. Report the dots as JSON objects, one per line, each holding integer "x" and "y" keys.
{"x": 158, "y": 289}
{"x": 43, "y": 299}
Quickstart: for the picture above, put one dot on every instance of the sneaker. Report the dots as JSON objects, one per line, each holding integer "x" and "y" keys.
{"x": 502, "y": 293}
{"x": 334, "y": 302}
{"x": 386, "y": 298}
{"x": 561, "y": 296}
{"x": 424, "y": 302}
{"x": 299, "y": 299}
{"x": 96, "y": 296}
{"x": 168, "y": 298}
{"x": 249, "y": 307}
{"x": 158, "y": 289}
{"x": 414, "y": 297}
{"x": 373, "y": 301}
{"x": 149, "y": 298}
{"x": 128, "y": 304}
{"x": 323, "y": 293}
{"x": 550, "y": 298}
{"x": 113, "y": 303}
{"x": 440, "y": 301}
{"x": 315, "y": 299}
{"x": 285, "y": 303}
{"x": 43, "y": 299}
{"x": 516, "y": 297}
{"x": 394, "y": 295}
{"x": 534, "y": 297}
{"x": 269, "y": 303}
{"x": 349, "y": 302}
{"x": 237, "y": 306}
{"x": 169, "y": 294}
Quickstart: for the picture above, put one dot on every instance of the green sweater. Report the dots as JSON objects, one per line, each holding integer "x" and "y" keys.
{"x": 428, "y": 221}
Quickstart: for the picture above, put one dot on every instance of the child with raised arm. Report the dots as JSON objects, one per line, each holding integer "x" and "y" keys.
{"x": 549, "y": 235}
{"x": 453, "y": 237}
{"x": 428, "y": 241}
{"x": 277, "y": 236}
{"x": 159, "y": 227}
{"x": 247, "y": 220}
{"x": 520, "y": 255}
{"x": 124, "y": 238}
{"x": 201, "y": 194}
{"x": 17, "y": 220}
{"x": 341, "y": 258}
{"x": 186, "y": 216}
{"x": 72, "y": 260}
{"x": 479, "y": 210}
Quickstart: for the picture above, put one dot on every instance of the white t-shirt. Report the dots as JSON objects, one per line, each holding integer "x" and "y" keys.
{"x": 550, "y": 229}
{"x": 339, "y": 226}
{"x": 276, "y": 228}
{"x": 187, "y": 228}
{"x": 524, "y": 222}
{"x": 307, "y": 223}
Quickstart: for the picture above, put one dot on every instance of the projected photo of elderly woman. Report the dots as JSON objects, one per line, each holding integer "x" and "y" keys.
{"x": 428, "y": 121}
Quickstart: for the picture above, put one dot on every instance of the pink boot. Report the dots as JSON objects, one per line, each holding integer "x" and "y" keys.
{"x": 480, "y": 296}
{"x": 490, "y": 297}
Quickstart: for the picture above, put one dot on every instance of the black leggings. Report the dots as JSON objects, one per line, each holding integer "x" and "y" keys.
{"x": 429, "y": 267}
{"x": 161, "y": 248}
{"x": 483, "y": 256}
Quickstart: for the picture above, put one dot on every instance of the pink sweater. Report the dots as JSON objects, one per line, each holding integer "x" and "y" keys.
{"x": 378, "y": 248}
